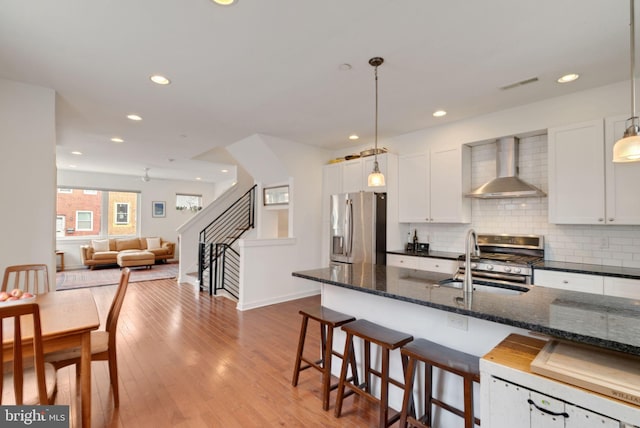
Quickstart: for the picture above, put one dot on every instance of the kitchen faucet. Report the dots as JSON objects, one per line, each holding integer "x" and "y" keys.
{"x": 472, "y": 239}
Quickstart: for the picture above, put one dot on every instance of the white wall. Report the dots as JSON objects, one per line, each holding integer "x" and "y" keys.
{"x": 154, "y": 190}
{"x": 611, "y": 100}
{"x": 266, "y": 265}
{"x": 27, "y": 174}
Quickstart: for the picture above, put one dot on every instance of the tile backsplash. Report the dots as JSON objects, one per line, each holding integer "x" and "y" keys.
{"x": 592, "y": 244}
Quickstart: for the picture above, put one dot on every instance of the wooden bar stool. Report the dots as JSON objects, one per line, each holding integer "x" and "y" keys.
{"x": 328, "y": 320}
{"x": 387, "y": 340}
{"x": 447, "y": 359}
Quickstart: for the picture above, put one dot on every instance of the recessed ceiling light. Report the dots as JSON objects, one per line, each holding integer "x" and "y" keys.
{"x": 353, "y": 137}
{"x": 134, "y": 117}
{"x": 439, "y": 113}
{"x": 344, "y": 67}
{"x": 75, "y": 152}
{"x": 117, "y": 140}
{"x": 224, "y": 170}
{"x": 568, "y": 78}
{"x": 198, "y": 178}
{"x": 72, "y": 166}
{"x": 160, "y": 80}
{"x": 224, "y": 2}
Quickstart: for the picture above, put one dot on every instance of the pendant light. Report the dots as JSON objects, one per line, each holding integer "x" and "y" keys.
{"x": 627, "y": 149}
{"x": 376, "y": 178}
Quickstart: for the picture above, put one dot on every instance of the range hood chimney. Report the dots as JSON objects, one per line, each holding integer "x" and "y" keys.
{"x": 506, "y": 184}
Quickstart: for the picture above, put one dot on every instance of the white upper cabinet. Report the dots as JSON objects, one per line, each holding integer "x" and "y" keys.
{"x": 450, "y": 181}
{"x": 585, "y": 186}
{"x": 352, "y": 176}
{"x": 431, "y": 186}
{"x": 576, "y": 173}
{"x": 413, "y": 188}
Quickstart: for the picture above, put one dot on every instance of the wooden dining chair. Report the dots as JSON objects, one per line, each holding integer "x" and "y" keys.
{"x": 103, "y": 343}
{"x": 32, "y": 278}
{"x": 25, "y": 381}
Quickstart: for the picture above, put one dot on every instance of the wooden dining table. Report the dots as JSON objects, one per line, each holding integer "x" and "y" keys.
{"x": 67, "y": 319}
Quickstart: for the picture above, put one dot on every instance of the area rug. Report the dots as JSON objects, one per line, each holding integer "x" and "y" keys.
{"x": 106, "y": 276}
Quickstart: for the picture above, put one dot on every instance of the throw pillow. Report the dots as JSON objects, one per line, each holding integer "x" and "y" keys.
{"x": 100, "y": 245}
{"x": 153, "y": 243}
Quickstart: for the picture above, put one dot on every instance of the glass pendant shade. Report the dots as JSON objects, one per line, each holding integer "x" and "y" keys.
{"x": 627, "y": 149}
{"x": 376, "y": 178}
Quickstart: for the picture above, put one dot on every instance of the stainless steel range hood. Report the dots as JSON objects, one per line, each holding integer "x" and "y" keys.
{"x": 506, "y": 184}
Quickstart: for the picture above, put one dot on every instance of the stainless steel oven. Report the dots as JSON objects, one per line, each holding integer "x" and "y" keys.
{"x": 504, "y": 259}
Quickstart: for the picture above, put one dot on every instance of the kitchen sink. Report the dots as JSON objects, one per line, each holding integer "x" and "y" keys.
{"x": 508, "y": 290}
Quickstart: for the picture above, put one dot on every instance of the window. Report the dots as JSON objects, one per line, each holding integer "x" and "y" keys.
{"x": 188, "y": 202}
{"x": 96, "y": 213}
{"x": 122, "y": 213}
{"x": 84, "y": 220}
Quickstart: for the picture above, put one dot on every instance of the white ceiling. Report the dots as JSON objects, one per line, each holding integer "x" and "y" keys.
{"x": 273, "y": 67}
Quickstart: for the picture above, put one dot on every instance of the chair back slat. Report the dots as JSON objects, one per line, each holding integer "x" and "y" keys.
{"x": 116, "y": 304}
{"x": 32, "y": 278}
{"x": 18, "y": 315}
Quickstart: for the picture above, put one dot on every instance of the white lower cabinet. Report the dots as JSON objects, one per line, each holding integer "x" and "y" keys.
{"x": 515, "y": 406}
{"x": 622, "y": 287}
{"x": 423, "y": 263}
{"x": 586, "y": 283}
{"x": 579, "y": 418}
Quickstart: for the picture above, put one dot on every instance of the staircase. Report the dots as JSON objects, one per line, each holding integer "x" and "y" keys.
{"x": 218, "y": 257}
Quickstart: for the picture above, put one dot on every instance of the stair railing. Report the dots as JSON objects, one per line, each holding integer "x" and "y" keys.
{"x": 226, "y": 269}
{"x": 225, "y": 230}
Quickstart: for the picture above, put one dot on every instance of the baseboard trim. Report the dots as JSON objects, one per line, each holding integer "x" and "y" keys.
{"x": 275, "y": 300}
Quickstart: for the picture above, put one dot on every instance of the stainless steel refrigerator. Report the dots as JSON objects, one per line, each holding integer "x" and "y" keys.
{"x": 359, "y": 227}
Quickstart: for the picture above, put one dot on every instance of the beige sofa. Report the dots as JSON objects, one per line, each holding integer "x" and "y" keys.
{"x": 105, "y": 251}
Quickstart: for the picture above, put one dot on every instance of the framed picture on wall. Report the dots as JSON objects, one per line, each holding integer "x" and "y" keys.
{"x": 158, "y": 208}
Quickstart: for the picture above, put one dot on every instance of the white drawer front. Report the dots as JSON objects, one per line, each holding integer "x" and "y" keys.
{"x": 402, "y": 261}
{"x": 569, "y": 281}
{"x": 438, "y": 265}
{"x": 622, "y": 287}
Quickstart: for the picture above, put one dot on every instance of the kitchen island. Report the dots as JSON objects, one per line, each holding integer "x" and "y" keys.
{"x": 609, "y": 322}
{"x": 413, "y": 301}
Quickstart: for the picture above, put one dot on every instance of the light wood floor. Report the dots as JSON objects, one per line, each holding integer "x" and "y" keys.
{"x": 189, "y": 360}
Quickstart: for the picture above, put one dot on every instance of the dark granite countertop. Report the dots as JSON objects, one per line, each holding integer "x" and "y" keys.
{"x": 615, "y": 271}
{"x": 431, "y": 254}
{"x": 609, "y": 322}
{"x": 588, "y": 269}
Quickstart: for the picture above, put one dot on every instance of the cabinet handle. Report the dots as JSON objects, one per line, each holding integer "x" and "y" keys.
{"x": 611, "y": 219}
{"x": 549, "y": 412}
{"x": 601, "y": 219}
{"x": 564, "y": 281}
